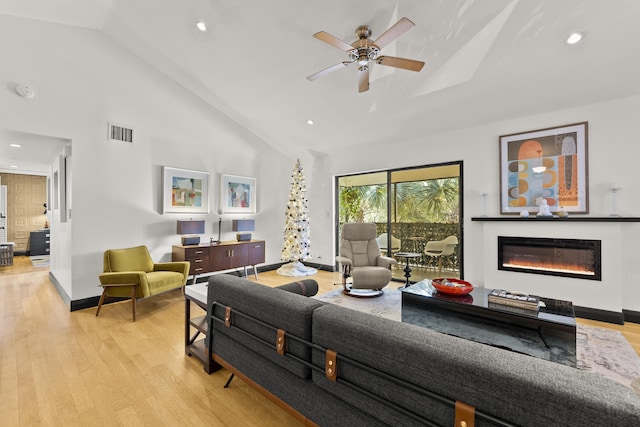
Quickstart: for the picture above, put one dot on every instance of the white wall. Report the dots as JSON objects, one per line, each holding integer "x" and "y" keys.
{"x": 614, "y": 150}
{"x": 83, "y": 80}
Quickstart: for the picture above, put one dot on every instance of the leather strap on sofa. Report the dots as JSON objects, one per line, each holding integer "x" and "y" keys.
{"x": 303, "y": 287}
{"x": 280, "y": 342}
{"x": 331, "y": 367}
{"x": 465, "y": 415}
{"x": 227, "y": 317}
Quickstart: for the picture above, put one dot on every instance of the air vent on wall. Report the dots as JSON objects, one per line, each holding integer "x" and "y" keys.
{"x": 120, "y": 133}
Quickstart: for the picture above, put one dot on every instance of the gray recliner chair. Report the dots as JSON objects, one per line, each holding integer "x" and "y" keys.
{"x": 361, "y": 260}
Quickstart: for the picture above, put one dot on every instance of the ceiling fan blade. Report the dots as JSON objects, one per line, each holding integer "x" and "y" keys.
{"x": 333, "y": 41}
{"x": 328, "y": 70}
{"x": 407, "y": 64}
{"x": 396, "y": 30}
{"x": 363, "y": 79}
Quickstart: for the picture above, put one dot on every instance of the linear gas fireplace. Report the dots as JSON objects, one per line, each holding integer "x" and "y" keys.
{"x": 556, "y": 257}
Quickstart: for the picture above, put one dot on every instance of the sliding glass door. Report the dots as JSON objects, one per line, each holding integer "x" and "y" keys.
{"x": 413, "y": 209}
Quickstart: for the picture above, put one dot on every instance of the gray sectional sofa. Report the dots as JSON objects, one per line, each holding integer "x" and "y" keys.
{"x": 392, "y": 373}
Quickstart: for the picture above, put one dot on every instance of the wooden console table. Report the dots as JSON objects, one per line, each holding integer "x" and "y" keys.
{"x": 220, "y": 256}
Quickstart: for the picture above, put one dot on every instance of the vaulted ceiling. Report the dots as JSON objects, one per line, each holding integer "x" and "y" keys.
{"x": 485, "y": 60}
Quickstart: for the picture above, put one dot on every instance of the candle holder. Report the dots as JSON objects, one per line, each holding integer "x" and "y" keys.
{"x": 614, "y": 189}
{"x": 483, "y": 195}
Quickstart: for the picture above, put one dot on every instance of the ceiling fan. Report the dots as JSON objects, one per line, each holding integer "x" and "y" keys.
{"x": 364, "y": 50}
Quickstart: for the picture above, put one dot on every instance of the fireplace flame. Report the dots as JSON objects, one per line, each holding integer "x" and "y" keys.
{"x": 549, "y": 267}
{"x": 576, "y": 258}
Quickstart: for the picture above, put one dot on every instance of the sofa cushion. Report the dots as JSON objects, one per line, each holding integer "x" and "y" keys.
{"x": 512, "y": 386}
{"x": 276, "y": 308}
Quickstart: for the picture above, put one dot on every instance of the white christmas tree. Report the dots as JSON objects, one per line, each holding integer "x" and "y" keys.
{"x": 296, "y": 230}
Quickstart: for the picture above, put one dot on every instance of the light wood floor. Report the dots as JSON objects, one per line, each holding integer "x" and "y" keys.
{"x": 75, "y": 369}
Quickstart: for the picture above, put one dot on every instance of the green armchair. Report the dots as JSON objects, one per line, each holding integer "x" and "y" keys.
{"x": 131, "y": 273}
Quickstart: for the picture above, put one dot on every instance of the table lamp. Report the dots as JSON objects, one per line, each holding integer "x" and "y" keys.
{"x": 243, "y": 225}
{"x": 189, "y": 230}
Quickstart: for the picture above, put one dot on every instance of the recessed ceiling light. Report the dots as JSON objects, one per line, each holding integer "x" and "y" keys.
{"x": 574, "y": 38}
{"x": 310, "y": 122}
{"x": 201, "y": 26}
{"x": 14, "y": 166}
{"x": 15, "y": 145}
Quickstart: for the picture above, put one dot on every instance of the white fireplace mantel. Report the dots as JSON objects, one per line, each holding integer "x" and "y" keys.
{"x": 557, "y": 219}
{"x": 620, "y": 239}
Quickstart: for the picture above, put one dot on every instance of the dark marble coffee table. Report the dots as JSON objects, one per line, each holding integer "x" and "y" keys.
{"x": 549, "y": 333}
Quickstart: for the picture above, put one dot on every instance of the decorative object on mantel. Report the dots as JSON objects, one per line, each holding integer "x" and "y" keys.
{"x": 483, "y": 195}
{"x": 524, "y": 214}
{"x": 562, "y": 213}
{"x": 614, "y": 188}
{"x": 549, "y": 163}
{"x": 543, "y": 207}
{"x": 610, "y": 219}
{"x": 296, "y": 229}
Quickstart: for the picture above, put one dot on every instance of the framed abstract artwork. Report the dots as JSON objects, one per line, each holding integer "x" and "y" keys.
{"x": 185, "y": 191}
{"x": 237, "y": 194}
{"x": 549, "y": 164}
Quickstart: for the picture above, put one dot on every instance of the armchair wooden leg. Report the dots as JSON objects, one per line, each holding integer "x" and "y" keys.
{"x": 118, "y": 285}
{"x": 133, "y": 301}
{"x": 102, "y": 297}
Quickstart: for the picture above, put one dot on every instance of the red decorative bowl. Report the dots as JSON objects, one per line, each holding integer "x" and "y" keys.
{"x": 454, "y": 286}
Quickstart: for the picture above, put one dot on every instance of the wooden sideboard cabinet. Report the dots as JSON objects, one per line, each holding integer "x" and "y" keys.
{"x": 220, "y": 256}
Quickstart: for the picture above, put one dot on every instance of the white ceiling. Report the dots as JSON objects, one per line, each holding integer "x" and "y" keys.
{"x": 485, "y": 60}
{"x": 35, "y": 155}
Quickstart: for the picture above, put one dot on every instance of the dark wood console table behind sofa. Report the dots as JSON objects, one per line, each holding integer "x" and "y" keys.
{"x": 220, "y": 256}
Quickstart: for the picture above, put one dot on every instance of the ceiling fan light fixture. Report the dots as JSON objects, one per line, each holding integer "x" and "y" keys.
{"x": 364, "y": 50}
{"x": 574, "y": 38}
{"x": 201, "y": 25}
{"x": 310, "y": 122}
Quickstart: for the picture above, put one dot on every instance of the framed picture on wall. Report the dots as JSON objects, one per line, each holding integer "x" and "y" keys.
{"x": 185, "y": 191}
{"x": 237, "y": 194}
{"x": 549, "y": 164}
